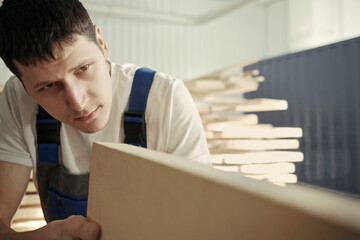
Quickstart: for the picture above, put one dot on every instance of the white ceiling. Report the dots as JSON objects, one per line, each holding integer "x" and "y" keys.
{"x": 175, "y": 11}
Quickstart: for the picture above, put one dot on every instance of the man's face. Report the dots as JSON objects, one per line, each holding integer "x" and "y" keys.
{"x": 76, "y": 87}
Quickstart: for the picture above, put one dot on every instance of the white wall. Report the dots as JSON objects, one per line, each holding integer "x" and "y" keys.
{"x": 186, "y": 50}
{"x": 262, "y": 28}
{"x": 350, "y": 18}
{"x": 314, "y": 23}
{"x": 276, "y": 28}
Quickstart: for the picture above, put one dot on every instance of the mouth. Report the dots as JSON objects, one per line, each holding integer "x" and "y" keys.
{"x": 88, "y": 116}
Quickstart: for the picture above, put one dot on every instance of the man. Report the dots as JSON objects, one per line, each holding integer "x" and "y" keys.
{"x": 60, "y": 62}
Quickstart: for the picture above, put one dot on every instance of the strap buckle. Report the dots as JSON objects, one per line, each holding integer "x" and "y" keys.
{"x": 135, "y": 128}
{"x": 48, "y": 129}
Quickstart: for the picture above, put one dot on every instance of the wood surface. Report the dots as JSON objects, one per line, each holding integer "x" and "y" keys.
{"x": 138, "y": 193}
{"x": 242, "y": 120}
{"x": 255, "y": 157}
{"x": 256, "y": 132}
{"x": 223, "y": 72}
{"x": 254, "y": 144}
{"x": 245, "y": 105}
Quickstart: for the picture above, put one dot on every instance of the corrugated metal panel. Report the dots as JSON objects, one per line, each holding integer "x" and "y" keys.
{"x": 322, "y": 87}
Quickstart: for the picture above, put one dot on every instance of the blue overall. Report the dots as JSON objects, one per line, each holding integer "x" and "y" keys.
{"x": 63, "y": 194}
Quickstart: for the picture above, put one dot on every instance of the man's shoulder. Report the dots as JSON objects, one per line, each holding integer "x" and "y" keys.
{"x": 13, "y": 83}
{"x": 13, "y": 88}
{"x": 128, "y": 70}
{"x": 14, "y": 96}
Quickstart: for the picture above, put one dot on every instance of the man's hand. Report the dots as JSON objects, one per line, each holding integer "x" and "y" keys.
{"x": 72, "y": 228}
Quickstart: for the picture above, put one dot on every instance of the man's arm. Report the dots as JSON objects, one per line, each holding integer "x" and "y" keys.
{"x": 14, "y": 179}
{"x": 13, "y": 182}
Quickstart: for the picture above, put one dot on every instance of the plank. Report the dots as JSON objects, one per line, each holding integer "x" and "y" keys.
{"x": 248, "y": 157}
{"x": 246, "y": 105}
{"x": 244, "y": 119}
{"x": 227, "y": 168}
{"x": 30, "y": 200}
{"x": 253, "y": 144}
{"x": 243, "y": 87}
{"x": 223, "y": 72}
{"x": 275, "y": 178}
{"x": 138, "y": 193}
{"x": 253, "y": 72}
{"x": 256, "y": 132}
{"x": 217, "y": 100}
{"x": 207, "y": 85}
{"x": 28, "y": 214}
{"x": 240, "y": 77}
{"x": 27, "y": 225}
{"x": 31, "y": 187}
{"x": 272, "y": 168}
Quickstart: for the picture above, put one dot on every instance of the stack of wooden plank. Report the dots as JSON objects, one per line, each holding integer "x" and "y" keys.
{"x": 236, "y": 140}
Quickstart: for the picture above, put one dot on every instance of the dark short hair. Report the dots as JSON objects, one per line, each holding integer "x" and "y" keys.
{"x": 29, "y": 29}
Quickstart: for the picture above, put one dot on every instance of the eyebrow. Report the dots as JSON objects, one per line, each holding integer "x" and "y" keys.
{"x": 82, "y": 63}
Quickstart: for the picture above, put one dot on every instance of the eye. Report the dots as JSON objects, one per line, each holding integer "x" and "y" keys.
{"x": 83, "y": 68}
{"x": 49, "y": 85}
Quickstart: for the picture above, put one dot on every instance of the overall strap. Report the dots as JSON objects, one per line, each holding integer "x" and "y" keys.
{"x": 134, "y": 118}
{"x": 48, "y": 136}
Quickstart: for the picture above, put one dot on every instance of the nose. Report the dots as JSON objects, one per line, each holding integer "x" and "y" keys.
{"x": 76, "y": 94}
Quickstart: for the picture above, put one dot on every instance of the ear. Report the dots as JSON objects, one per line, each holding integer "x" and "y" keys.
{"x": 101, "y": 41}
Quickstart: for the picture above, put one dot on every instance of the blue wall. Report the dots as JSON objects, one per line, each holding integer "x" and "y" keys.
{"x": 322, "y": 87}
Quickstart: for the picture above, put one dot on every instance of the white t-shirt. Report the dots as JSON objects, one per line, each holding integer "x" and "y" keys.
{"x": 172, "y": 121}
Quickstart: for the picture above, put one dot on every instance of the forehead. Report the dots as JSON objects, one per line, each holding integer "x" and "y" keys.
{"x": 80, "y": 46}
{"x": 65, "y": 55}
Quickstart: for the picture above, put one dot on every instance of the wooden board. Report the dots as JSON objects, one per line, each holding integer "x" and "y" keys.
{"x": 256, "y": 132}
{"x": 221, "y": 73}
{"x": 234, "y": 89}
{"x": 251, "y": 157}
{"x": 137, "y": 193}
{"x": 253, "y": 144}
{"x": 246, "y": 105}
{"x": 245, "y": 119}
{"x": 29, "y": 214}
